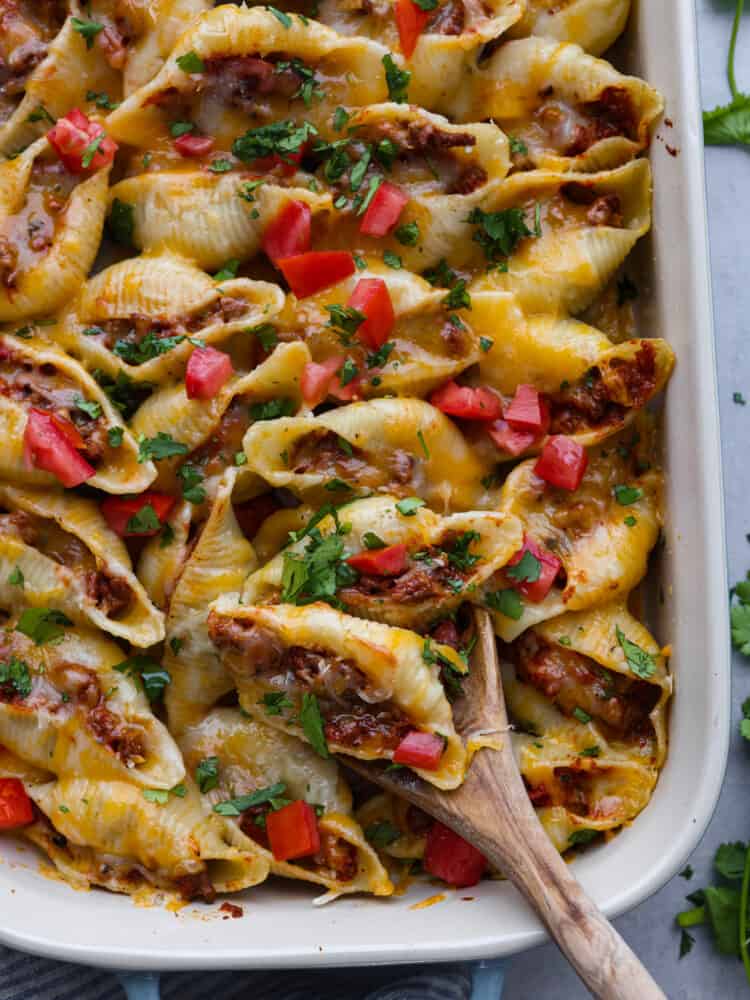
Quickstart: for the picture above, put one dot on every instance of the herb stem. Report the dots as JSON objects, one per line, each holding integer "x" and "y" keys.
{"x": 732, "y": 47}
{"x": 691, "y": 918}
{"x": 744, "y": 900}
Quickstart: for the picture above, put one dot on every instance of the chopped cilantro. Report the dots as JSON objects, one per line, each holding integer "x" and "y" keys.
{"x": 270, "y": 409}
{"x": 281, "y": 138}
{"x": 409, "y": 506}
{"x": 397, "y": 80}
{"x": 143, "y": 521}
{"x": 526, "y": 570}
{"x": 507, "y": 602}
{"x": 273, "y": 794}
{"x": 228, "y": 271}
{"x": 121, "y": 222}
{"x": 382, "y": 834}
{"x": 641, "y": 663}
{"x": 372, "y": 541}
{"x": 408, "y": 234}
{"x": 499, "y": 233}
{"x": 16, "y": 674}
{"x": 312, "y": 724}
{"x": 627, "y": 495}
{"x": 191, "y": 62}
{"x": 151, "y": 675}
{"x": 393, "y": 260}
{"x": 114, "y": 436}
{"x": 191, "y": 478}
{"x": 43, "y": 625}
{"x": 584, "y": 717}
{"x": 88, "y": 30}
{"x": 207, "y": 774}
{"x": 160, "y": 447}
{"x": 15, "y": 577}
{"x": 283, "y": 19}
{"x": 274, "y": 702}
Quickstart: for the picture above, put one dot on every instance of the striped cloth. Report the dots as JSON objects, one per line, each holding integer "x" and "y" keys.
{"x": 24, "y": 977}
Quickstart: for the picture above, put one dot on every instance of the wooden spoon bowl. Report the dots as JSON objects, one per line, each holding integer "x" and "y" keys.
{"x": 492, "y": 811}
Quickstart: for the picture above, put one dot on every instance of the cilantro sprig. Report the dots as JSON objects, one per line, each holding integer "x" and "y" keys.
{"x": 729, "y": 124}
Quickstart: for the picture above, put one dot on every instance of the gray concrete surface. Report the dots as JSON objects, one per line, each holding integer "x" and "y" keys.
{"x": 541, "y": 974}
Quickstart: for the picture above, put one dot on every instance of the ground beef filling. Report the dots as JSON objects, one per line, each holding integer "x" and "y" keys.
{"x": 196, "y": 886}
{"x": 611, "y": 114}
{"x": 112, "y": 595}
{"x": 45, "y": 387}
{"x": 352, "y": 713}
{"x": 25, "y": 31}
{"x": 321, "y": 453}
{"x": 574, "y": 681}
{"x": 219, "y": 450}
{"x": 589, "y": 403}
{"x": 124, "y": 335}
{"x": 569, "y": 788}
{"x": 28, "y": 234}
{"x": 430, "y": 575}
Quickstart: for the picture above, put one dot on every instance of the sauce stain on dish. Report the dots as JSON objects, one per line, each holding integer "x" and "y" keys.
{"x": 430, "y": 901}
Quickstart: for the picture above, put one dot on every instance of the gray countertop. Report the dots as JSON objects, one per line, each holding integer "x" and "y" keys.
{"x": 541, "y": 973}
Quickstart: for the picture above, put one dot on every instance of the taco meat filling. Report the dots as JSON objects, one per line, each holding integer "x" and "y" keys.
{"x": 354, "y": 713}
{"x": 112, "y": 595}
{"x": 574, "y": 681}
{"x": 322, "y": 453}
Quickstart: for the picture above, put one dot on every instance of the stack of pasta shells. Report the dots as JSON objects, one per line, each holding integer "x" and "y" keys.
{"x": 372, "y": 220}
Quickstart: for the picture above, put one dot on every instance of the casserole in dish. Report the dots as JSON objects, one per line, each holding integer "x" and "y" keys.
{"x": 690, "y": 613}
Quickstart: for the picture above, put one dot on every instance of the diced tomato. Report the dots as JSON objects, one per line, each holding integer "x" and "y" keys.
{"x": 15, "y": 805}
{"x": 252, "y": 513}
{"x": 562, "y": 462}
{"x": 207, "y": 371}
{"x": 346, "y": 393}
{"x": 389, "y": 561}
{"x": 316, "y": 379}
{"x": 67, "y": 428}
{"x": 118, "y": 511}
{"x": 549, "y": 567}
{"x": 288, "y": 233}
{"x": 417, "y": 749}
{"x": 508, "y": 440}
{"x": 467, "y": 402}
{"x": 410, "y": 21}
{"x": 293, "y": 831}
{"x": 193, "y": 145}
{"x": 451, "y": 858}
{"x": 71, "y": 138}
{"x": 526, "y": 411}
{"x": 372, "y": 298}
{"x": 384, "y": 210}
{"x": 308, "y": 273}
{"x": 47, "y": 446}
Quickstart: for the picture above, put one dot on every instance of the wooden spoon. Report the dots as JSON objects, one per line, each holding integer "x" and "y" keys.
{"x": 492, "y": 810}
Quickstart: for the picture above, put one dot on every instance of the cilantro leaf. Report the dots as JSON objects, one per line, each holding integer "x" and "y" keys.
{"x": 739, "y": 615}
{"x": 190, "y": 62}
{"x": 382, "y": 834}
{"x": 507, "y": 602}
{"x": 16, "y": 577}
{"x": 499, "y": 233}
{"x": 143, "y": 521}
{"x": 191, "y": 478}
{"x": 729, "y": 859}
{"x": 16, "y": 674}
{"x": 88, "y": 30}
{"x": 583, "y": 836}
{"x": 397, "y": 80}
{"x": 43, "y": 625}
{"x": 312, "y": 724}
{"x": 526, "y": 570}
{"x": 627, "y": 495}
{"x": 148, "y": 672}
{"x": 234, "y": 807}
{"x": 121, "y": 222}
{"x": 409, "y": 506}
{"x": 160, "y": 447}
{"x": 281, "y": 138}
{"x": 729, "y": 124}
{"x": 273, "y": 408}
{"x": 641, "y": 663}
{"x": 274, "y": 702}
{"x": 207, "y": 773}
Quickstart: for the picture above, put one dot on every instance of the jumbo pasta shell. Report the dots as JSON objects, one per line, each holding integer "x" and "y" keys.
{"x": 351, "y": 67}
{"x": 200, "y": 424}
{"x": 203, "y": 216}
{"x": 171, "y": 845}
{"x": 220, "y": 562}
{"x": 83, "y": 569}
{"x": 60, "y": 82}
{"x": 254, "y": 756}
{"x": 162, "y": 560}
{"x": 167, "y": 294}
{"x": 588, "y": 224}
{"x": 36, "y": 373}
{"x": 570, "y": 110}
{"x": 420, "y": 595}
{"x": 389, "y": 660}
{"x": 40, "y": 281}
{"x": 603, "y": 545}
{"x": 592, "y": 24}
{"x": 426, "y": 347}
{"x": 83, "y": 715}
{"x": 384, "y": 438}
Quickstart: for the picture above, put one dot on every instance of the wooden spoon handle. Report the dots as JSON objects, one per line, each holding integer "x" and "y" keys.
{"x": 509, "y": 834}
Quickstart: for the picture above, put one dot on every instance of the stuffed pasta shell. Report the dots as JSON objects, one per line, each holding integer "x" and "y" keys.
{"x": 58, "y": 426}
{"x": 248, "y": 66}
{"x": 569, "y": 110}
{"x": 51, "y": 221}
{"x": 417, "y": 344}
{"x": 354, "y": 687}
{"x": 409, "y": 571}
{"x": 77, "y": 705}
{"x": 581, "y": 547}
{"x": 57, "y": 551}
{"x": 568, "y": 234}
{"x": 397, "y": 828}
{"x": 584, "y": 386}
{"x": 48, "y": 68}
{"x": 216, "y": 561}
{"x": 588, "y": 693}
{"x": 141, "y": 841}
{"x": 143, "y": 317}
{"x": 592, "y": 24}
{"x": 210, "y": 218}
{"x": 253, "y": 771}
{"x": 135, "y": 37}
{"x": 366, "y": 447}
{"x": 206, "y": 435}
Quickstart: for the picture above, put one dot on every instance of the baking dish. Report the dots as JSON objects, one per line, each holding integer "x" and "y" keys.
{"x": 280, "y": 927}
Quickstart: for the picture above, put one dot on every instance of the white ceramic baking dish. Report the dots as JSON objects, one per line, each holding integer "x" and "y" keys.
{"x": 281, "y": 928}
